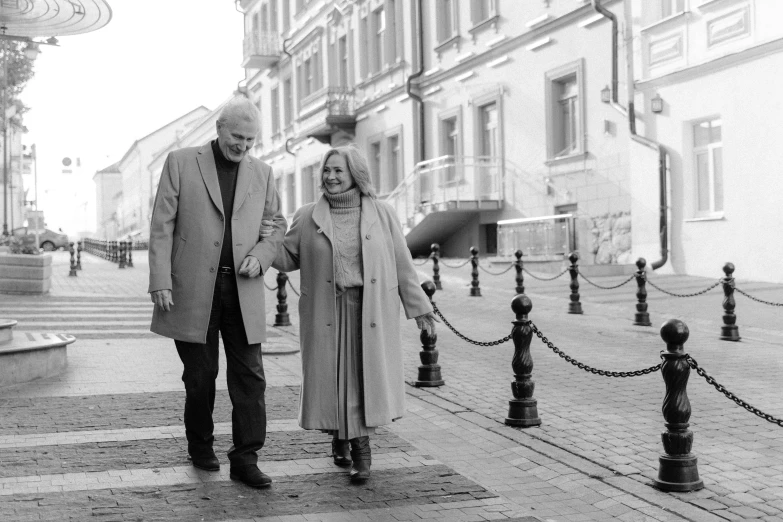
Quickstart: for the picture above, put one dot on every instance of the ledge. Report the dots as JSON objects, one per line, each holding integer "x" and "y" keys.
{"x": 579, "y": 156}
{"x": 716, "y": 217}
{"x": 664, "y": 21}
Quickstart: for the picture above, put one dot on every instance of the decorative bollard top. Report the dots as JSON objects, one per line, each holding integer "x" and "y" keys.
{"x": 473, "y": 251}
{"x": 573, "y": 257}
{"x": 674, "y": 333}
{"x": 728, "y": 269}
{"x": 641, "y": 263}
{"x": 521, "y": 305}
{"x": 435, "y": 248}
{"x": 518, "y": 254}
{"x": 429, "y": 288}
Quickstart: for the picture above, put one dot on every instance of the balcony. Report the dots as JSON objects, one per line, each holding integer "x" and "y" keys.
{"x": 261, "y": 50}
{"x": 326, "y": 112}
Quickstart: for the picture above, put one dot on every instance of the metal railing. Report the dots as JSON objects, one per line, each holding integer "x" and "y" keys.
{"x": 538, "y": 237}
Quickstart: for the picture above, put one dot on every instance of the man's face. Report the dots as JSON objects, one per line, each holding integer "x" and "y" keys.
{"x": 236, "y": 137}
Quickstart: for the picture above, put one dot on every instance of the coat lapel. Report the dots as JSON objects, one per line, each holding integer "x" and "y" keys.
{"x": 244, "y": 175}
{"x": 369, "y": 215}
{"x": 323, "y": 219}
{"x": 206, "y": 163}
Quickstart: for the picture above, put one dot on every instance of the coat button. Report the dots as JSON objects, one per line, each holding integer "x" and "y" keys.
{"x": 328, "y": 280}
{"x": 220, "y": 217}
{"x": 367, "y": 236}
{"x": 372, "y": 280}
{"x": 320, "y": 231}
{"x": 328, "y": 324}
{"x": 217, "y": 243}
{"x": 372, "y": 324}
{"x": 212, "y": 269}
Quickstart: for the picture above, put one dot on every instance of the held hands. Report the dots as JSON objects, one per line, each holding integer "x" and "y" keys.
{"x": 267, "y": 228}
{"x": 162, "y": 299}
{"x": 427, "y": 322}
{"x": 250, "y": 267}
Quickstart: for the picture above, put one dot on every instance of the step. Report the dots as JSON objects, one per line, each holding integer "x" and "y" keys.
{"x": 6, "y": 330}
{"x": 31, "y": 355}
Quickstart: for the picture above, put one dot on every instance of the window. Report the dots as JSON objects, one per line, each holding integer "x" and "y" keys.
{"x": 481, "y": 10}
{"x": 565, "y": 111}
{"x": 315, "y": 72}
{"x": 375, "y": 164}
{"x": 708, "y": 164}
{"x": 310, "y": 182}
{"x": 288, "y": 102}
{"x": 364, "y": 36}
{"x": 394, "y": 174}
{"x": 290, "y": 193}
{"x": 450, "y": 146}
{"x": 379, "y": 30}
{"x": 342, "y": 57}
{"x": 671, "y": 7}
{"x": 273, "y": 16}
{"x": 286, "y": 15}
{"x": 308, "y": 77}
{"x": 391, "y": 13}
{"x": 446, "y": 19}
{"x": 264, "y": 18}
{"x": 275, "y": 111}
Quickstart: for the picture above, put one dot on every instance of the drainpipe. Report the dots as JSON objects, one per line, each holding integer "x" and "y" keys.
{"x": 420, "y": 27}
{"x": 663, "y": 157}
{"x": 291, "y": 60}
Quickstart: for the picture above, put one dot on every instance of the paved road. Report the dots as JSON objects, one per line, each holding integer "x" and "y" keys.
{"x": 105, "y": 438}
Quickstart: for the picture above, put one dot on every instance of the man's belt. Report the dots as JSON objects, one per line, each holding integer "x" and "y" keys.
{"x": 225, "y": 270}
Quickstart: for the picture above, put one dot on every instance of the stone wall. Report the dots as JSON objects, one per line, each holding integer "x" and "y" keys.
{"x": 610, "y": 241}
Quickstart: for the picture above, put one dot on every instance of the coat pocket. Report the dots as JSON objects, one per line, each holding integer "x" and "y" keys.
{"x": 179, "y": 248}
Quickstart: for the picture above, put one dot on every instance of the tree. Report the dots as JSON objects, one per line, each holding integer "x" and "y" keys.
{"x": 20, "y": 67}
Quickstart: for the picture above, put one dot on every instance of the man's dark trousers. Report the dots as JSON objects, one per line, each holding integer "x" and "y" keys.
{"x": 245, "y": 376}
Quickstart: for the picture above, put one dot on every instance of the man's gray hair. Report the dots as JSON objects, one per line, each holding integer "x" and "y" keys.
{"x": 238, "y": 108}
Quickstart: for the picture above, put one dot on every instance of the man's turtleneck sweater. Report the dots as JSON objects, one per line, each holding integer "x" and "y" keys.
{"x": 345, "y": 209}
{"x": 227, "y": 178}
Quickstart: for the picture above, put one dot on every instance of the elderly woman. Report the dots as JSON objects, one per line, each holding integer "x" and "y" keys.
{"x": 355, "y": 270}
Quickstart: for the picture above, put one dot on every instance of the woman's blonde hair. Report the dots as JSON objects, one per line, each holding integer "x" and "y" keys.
{"x": 357, "y": 167}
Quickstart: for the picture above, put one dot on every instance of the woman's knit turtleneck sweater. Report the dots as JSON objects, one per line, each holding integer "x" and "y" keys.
{"x": 346, "y": 209}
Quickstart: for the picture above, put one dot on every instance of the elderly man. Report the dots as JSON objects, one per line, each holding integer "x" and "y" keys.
{"x": 207, "y": 256}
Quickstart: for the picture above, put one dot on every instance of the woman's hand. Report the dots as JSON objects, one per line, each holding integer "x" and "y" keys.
{"x": 267, "y": 228}
{"x": 427, "y": 322}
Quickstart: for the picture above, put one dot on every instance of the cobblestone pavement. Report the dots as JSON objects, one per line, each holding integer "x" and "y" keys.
{"x": 105, "y": 440}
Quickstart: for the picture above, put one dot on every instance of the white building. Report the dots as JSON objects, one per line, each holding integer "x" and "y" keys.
{"x": 108, "y": 184}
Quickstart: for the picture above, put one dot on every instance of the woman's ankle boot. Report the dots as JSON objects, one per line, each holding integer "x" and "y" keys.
{"x": 341, "y": 452}
{"x": 362, "y": 458}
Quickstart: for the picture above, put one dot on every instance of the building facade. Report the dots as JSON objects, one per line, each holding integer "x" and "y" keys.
{"x": 108, "y": 184}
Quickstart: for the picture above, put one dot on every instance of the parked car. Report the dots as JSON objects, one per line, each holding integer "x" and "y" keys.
{"x": 47, "y": 239}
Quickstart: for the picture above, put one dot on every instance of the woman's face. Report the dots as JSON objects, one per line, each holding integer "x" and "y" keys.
{"x": 336, "y": 178}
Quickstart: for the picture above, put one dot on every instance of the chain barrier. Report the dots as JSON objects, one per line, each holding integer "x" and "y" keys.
{"x": 606, "y": 287}
{"x": 422, "y": 263}
{"x": 452, "y": 266}
{"x": 471, "y": 341}
{"x": 294, "y": 288}
{"x": 684, "y": 295}
{"x": 270, "y": 288}
{"x": 767, "y": 417}
{"x": 544, "y": 278}
{"x": 496, "y": 273}
{"x": 590, "y": 369}
{"x": 757, "y": 299}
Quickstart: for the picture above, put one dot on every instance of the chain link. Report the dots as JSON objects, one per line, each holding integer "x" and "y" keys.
{"x": 544, "y": 278}
{"x": 757, "y": 299}
{"x": 606, "y": 287}
{"x": 422, "y": 263}
{"x": 683, "y": 295}
{"x": 471, "y": 341}
{"x": 496, "y": 273}
{"x": 590, "y": 369}
{"x": 452, "y": 266}
{"x": 293, "y": 288}
{"x": 693, "y": 364}
{"x": 270, "y": 288}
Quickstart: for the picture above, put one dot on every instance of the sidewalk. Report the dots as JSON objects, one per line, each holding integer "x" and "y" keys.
{"x": 105, "y": 438}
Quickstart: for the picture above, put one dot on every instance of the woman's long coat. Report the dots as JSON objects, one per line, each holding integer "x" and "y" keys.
{"x": 389, "y": 277}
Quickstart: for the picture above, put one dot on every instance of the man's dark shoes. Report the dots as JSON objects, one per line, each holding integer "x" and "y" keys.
{"x": 341, "y": 452}
{"x": 206, "y": 462}
{"x": 362, "y": 458}
{"x": 250, "y": 475}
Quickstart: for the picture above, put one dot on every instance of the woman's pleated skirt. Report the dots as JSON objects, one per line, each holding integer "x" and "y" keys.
{"x": 350, "y": 377}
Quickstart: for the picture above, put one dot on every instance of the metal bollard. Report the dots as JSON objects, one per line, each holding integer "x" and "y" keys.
{"x": 729, "y": 331}
{"x": 121, "y": 248}
{"x": 520, "y": 279}
{"x": 129, "y": 263}
{"x": 475, "y": 290}
{"x": 677, "y": 469}
{"x": 523, "y": 408}
{"x": 641, "y": 318}
{"x": 429, "y": 371}
{"x": 78, "y": 255}
{"x": 281, "y": 317}
{"x": 574, "y": 307}
{"x": 435, "y": 255}
{"x": 73, "y": 272}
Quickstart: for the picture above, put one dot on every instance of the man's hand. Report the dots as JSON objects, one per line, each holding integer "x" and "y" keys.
{"x": 250, "y": 267}
{"x": 267, "y": 228}
{"x": 427, "y": 322}
{"x": 162, "y": 299}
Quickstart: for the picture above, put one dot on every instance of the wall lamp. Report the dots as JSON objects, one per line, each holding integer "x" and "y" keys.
{"x": 606, "y": 94}
{"x": 656, "y": 104}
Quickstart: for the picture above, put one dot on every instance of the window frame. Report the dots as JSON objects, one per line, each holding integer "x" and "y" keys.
{"x": 442, "y": 37}
{"x": 709, "y": 150}
{"x": 274, "y": 100}
{"x": 475, "y": 11}
{"x": 444, "y": 117}
{"x": 288, "y": 102}
{"x": 554, "y": 80}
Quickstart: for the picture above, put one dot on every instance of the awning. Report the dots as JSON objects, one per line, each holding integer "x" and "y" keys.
{"x": 46, "y": 18}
